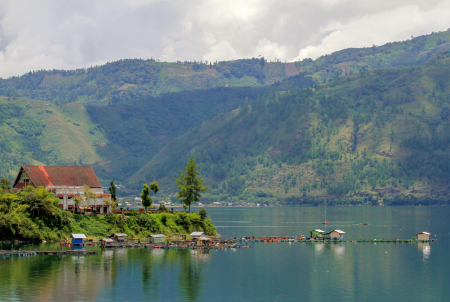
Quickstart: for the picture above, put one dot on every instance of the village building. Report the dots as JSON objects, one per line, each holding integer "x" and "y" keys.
{"x": 120, "y": 237}
{"x": 107, "y": 242}
{"x": 423, "y": 236}
{"x": 157, "y": 238}
{"x": 67, "y": 182}
{"x": 198, "y": 234}
{"x": 201, "y": 241}
{"x": 336, "y": 235}
{"x": 77, "y": 239}
{"x": 316, "y": 233}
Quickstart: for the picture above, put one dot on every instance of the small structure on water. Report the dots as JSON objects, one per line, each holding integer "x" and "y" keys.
{"x": 201, "y": 241}
{"x": 335, "y": 234}
{"x": 120, "y": 237}
{"x": 157, "y": 238}
{"x": 317, "y": 233}
{"x": 423, "y": 236}
{"x": 77, "y": 239}
{"x": 198, "y": 234}
{"x": 106, "y": 242}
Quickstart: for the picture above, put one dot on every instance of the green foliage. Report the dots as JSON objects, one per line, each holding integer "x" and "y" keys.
{"x": 31, "y": 215}
{"x": 112, "y": 191}
{"x": 190, "y": 185}
{"x": 145, "y": 194}
{"x": 34, "y": 215}
{"x": 5, "y": 184}
{"x": 30, "y": 127}
{"x": 203, "y": 213}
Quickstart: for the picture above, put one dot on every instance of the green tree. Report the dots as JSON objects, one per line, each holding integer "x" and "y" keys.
{"x": 5, "y": 183}
{"x": 145, "y": 194}
{"x": 190, "y": 185}
{"x": 112, "y": 191}
{"x": 203, "y": 213}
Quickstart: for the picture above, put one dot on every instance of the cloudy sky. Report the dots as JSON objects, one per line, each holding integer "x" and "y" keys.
{"x": 69, "y": 34}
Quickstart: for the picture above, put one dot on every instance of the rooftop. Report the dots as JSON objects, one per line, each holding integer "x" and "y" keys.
{"x": 337, "y": 231}
{"x": 197, "y": 234}
{"x": 320, "y": 231}
{"x": 45, "y": 176}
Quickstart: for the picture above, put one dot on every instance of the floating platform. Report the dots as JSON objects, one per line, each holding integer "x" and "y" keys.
{"x": 273, "y": 239}
{"x": 68, "y": 252}
{"x": 4, "y": 253}
{"x": 16, "y": 253}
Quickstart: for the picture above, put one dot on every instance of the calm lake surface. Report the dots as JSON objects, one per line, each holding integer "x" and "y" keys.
{"x": 268, "y": 272}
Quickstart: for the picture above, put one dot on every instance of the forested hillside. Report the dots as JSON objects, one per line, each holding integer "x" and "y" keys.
{"x": 357, "y": 126}
{"x": 379, "y": 137}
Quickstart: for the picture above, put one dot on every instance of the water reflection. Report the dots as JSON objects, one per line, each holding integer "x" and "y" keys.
{"x": 190, "y": 277}
{"x": 338, "y": 249}
{"x": 318, "y": 248}
{"x": 425, "y": 248}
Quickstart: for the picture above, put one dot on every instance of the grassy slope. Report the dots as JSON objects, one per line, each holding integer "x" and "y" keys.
{"x": 64, "y": 140}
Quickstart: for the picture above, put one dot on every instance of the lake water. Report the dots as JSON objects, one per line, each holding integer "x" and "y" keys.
{"x": 268, "y": 272}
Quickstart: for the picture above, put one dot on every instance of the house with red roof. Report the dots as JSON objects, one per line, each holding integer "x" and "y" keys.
{"x": 67, "y": 182}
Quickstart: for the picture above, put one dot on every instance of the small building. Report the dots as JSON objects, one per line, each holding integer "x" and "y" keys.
{"x": 198, "y": 234}
{"x": 423, "y": 236}
{"x": 336, "y": 234}
{"x": 316, "y": 233}
{"x": 78, "y": 238}
{"x": 106, "y": 242}
{"x": 120, "y": 237}
{"x": 157, "y": 238}
{"x": 201, "y": 241}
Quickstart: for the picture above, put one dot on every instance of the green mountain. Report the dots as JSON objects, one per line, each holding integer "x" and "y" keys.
{"x": 369, "y": 138}
{"x": 356, "y": 126}
{"x": 107, "y": 83}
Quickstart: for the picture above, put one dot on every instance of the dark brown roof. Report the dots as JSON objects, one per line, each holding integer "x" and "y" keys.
{"x": 76, "y": 176}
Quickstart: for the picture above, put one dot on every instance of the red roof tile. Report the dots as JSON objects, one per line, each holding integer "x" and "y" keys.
{"x": 76, "y": 176}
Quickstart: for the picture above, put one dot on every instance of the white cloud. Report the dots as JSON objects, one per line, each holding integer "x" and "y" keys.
{"x": 72, "y": 34}
{"x": 221, "y": 51}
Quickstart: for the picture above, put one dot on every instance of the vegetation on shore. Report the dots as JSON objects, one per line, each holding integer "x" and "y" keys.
{"x": 34, "y": 215}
